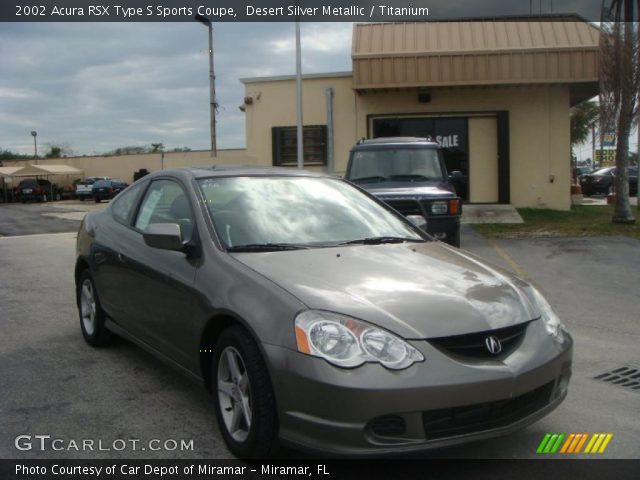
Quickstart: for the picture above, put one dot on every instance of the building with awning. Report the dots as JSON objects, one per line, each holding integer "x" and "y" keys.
{"x": 494, "y": 93}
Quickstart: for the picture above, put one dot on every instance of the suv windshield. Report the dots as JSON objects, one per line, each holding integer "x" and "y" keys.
{"x": 284, "y": 212}
{"x": 396, "y": 164}
{"x": 102, "y": 183}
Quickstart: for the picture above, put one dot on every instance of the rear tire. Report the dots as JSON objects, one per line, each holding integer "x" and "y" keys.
{"x": 456, "y": 240}
{"x": 243, "y": 395}
{"x": 92, "y": 317}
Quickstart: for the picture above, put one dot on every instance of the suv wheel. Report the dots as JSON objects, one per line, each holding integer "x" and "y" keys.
{"x": 244, "y": 400}
{"x": 456, "y": 240}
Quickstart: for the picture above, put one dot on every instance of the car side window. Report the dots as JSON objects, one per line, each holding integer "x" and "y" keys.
{"x": 166, "y": 202}
{"x": 125, "y": 203}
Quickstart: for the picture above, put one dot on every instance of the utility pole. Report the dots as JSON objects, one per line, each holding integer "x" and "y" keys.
{"x": 212, "y": 84}
{"x": 300, "y": 152}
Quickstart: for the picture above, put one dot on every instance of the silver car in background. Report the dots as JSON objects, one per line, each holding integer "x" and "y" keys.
{"x": 317, "y": 315}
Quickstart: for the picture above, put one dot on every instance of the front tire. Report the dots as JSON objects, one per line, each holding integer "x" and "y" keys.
{"x": 244, "y": 399}
{"x": 92, "y": 317}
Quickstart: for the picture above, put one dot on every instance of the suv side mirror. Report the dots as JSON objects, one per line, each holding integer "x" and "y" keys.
{"x": 456, "y": 175}
{"x": 165, "y": 236}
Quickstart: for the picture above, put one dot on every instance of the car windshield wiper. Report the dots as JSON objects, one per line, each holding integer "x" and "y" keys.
{"x": 380, "y": 240}
{"x": 373, "y": 178}
{"x": 265, "y": 247}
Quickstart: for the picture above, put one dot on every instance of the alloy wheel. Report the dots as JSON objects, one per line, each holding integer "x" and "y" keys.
{"x": 234, "y": 394}
{"x": 88, "y": 307}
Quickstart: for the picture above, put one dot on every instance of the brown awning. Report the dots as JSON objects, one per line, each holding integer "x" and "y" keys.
{"x": 430, "y": 54}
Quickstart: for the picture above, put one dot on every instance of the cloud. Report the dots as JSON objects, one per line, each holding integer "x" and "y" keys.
{"x": 99, "y": 86}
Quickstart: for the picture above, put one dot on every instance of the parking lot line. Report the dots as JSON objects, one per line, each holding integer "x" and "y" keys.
{"x": 508, "y": 258}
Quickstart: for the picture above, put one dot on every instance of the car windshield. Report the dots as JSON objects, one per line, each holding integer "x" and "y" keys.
{"x": 102, "y": 183}
{"x": 283, "y": 212}
{"x": 396, "y": 164}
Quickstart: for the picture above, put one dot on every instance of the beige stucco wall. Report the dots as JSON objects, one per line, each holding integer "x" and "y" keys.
{"x": 274, "y": 105}
{"x": 483, "y": 159}
{"x": 123, "y": 166}
{"x": 538, "y": 126}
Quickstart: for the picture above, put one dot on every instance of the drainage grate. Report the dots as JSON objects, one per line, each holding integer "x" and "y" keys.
{"x": 625, "y": 377}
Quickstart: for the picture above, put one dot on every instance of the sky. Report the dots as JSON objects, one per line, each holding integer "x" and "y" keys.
{"x": 100, "y": 86}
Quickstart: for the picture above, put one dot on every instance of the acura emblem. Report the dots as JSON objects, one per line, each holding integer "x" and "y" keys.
{"x": 493, "y": 345}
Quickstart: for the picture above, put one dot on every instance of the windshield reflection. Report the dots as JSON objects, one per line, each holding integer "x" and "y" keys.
{"x": 296, "y": 210}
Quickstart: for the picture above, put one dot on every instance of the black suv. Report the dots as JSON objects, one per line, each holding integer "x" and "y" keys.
{"x": 34, "y": 189}
{"x": 409, "y": 174}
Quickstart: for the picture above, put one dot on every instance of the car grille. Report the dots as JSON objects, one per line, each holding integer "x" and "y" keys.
{"x": 449, "y": 422}
{"x": 405, "y": 207}
{"x": 473, "y": 344}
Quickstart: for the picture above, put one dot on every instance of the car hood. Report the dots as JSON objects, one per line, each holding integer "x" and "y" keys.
{"x": 405, "y": 189}
{"x": 417, "y": 290}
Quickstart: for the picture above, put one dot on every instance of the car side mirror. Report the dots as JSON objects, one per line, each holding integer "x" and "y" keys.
{"x": 456, "y": 174}
{"x": 165, "y": 236}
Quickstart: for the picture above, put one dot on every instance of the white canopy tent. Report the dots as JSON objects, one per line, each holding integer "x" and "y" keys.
{"x": 44, "y": 170}
{"x": 36, "y": 171}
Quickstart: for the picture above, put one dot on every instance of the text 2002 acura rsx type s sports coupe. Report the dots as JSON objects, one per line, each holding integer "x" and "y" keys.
{"x": 316, "y": 314}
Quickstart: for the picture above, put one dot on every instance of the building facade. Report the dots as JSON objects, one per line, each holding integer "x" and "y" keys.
{"x": 496, "y": 96}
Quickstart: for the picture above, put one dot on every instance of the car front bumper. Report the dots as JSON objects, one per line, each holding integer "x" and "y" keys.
{"x": 439, "y": 402}
{"x": 445, "y": 228}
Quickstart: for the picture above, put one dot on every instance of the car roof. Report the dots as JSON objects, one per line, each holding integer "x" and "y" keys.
{"x": 411, "y": 142}
{"x": 237, "y": 171}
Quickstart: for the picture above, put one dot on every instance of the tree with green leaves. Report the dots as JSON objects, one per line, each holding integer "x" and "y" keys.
{"x": 59, "y": 150}
{"x": 156, "y": 147}
{"x": 583, "y": 117}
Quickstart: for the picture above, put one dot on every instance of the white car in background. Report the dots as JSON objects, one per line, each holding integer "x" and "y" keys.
{"x": 84, "y": 189}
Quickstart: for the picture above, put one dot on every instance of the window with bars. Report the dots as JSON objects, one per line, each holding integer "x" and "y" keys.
{"x": 284, "y": 142}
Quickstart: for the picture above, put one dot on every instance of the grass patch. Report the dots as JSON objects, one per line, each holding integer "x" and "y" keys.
{"x": 581, "y": 220}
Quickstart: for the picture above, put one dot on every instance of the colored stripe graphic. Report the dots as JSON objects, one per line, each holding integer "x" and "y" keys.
{"x": 573, "y": 443}
{"x": 550, "y": 443}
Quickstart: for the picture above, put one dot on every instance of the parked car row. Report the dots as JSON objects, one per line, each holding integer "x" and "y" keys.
{"x": 99, "y": 188}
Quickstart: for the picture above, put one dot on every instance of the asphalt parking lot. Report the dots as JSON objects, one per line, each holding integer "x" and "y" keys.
{"x": 52, "y": 383}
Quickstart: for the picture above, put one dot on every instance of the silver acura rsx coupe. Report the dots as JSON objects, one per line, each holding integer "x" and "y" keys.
{"x": 317, "y": 316}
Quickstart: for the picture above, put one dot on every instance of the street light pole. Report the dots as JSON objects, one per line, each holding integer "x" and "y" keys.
{"x": 34, "y": 134}
{"x": 300, "y": 152}
{"x": 212, "y": 84}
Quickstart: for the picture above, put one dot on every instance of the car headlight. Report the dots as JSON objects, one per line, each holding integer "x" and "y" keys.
{"x": 551, "y": 321}
{"x": 439, "y": 208}
{"x": 346, "y": 342}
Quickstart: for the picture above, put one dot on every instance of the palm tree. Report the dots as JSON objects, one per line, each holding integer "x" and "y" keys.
{"x": 619, "y": 90}
{"x": 583, "y": 117}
